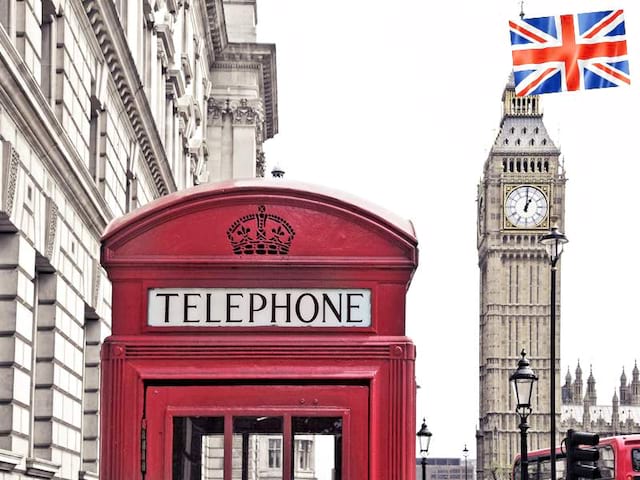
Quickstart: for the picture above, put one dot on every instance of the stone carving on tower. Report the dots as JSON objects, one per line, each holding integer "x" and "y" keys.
{"x": 520, "y": 196}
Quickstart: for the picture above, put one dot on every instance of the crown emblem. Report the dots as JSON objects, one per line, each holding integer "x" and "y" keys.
{"x": 260, "y": 234}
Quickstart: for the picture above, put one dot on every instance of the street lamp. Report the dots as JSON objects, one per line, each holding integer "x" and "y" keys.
{"x": 554, "y": 243}
{"x": 424, "y": 439}
{"x": 465, "y": 454}
{"x": 523, "y": 380}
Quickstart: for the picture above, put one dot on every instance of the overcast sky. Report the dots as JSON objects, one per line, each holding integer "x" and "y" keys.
{"x": 398, "y": 102}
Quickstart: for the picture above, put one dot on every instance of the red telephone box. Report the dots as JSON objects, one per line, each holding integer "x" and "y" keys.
{"x": 258, "y": 333}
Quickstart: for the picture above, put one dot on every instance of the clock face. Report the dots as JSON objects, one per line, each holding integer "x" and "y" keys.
{"x": 526, "y": 206}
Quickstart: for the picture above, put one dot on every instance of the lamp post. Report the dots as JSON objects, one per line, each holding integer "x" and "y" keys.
{"x": 523, "y": 380}
{"x": 465, "y": 454}
{"x": 424, "y": 439}
{"x": 554, "y": 243}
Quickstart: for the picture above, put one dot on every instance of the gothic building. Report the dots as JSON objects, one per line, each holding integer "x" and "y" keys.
{"x": 105, "y": 105}
{"x": 520, "y": 196}
{"x": 581, "y": 411}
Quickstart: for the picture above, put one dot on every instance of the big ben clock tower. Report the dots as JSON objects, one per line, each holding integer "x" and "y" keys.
{"x": 520, "y": 196}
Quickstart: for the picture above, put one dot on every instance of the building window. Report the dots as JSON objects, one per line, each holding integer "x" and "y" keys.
{"x": 275, "y": 453}
{"x": 303, "y": 454}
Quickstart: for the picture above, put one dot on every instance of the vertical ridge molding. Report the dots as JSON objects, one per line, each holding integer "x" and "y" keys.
{"x": 118, "y": 438}
{"x": 402, "y": 412}
{"x": 106, "y": 25}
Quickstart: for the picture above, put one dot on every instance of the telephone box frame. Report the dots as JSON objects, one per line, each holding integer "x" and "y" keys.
{"x": 335, "y": 242}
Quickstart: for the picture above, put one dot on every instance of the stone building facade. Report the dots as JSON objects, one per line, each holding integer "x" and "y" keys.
{"x": 105, "y": 105}
{"x": 581, "y": 410}
{"x": 520, "y": 196}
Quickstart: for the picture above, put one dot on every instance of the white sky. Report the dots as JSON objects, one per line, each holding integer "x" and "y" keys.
{"x": 398, "y": 102}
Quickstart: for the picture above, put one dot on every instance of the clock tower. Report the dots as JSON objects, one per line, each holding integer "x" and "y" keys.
{"x": 520, "y": 196}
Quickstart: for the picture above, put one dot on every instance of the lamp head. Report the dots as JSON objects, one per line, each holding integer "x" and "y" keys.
{"x": 424, "y": 438}
{"x": 554, "y": 243}
{"x": 523, "y": 381}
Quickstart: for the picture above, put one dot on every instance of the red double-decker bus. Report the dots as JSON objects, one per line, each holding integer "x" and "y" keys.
{"x": 619, "y": 459}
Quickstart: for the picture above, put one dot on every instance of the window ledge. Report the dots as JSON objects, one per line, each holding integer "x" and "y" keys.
{"x": 83, "y": 475}
{"x": 41, "y": 468}
{"x": 9, "y": 460}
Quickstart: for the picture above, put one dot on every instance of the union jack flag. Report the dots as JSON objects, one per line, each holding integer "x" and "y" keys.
{"x": 569, "y": 52}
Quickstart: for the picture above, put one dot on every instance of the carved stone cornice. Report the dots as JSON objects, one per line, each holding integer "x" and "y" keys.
{"x": 9, "y": 460}
{"x": 175, "y": 83}
{"x": 252, "y": 56}
{"x": 166, "y": 48}
{"x": 10, "y": 160}
{"x": 215, "y": 110}
{"x": 186, "y": 67}
{"x": 23, "y": 101}
{"x": 40, "y": 468}
{"x": 241, "y": 113}
{"x": 172, "y": 5}
{"x": 244, "y": 114}
{"x": 197, "y": 112}
{"x": 113, "y": 42}
{"x": 51, "y": 215}
{"x": 217, "y": 26}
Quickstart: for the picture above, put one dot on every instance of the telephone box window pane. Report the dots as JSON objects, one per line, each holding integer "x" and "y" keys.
{"x": 198, "y": 448}
{"x": 635, "y": 459}
{"x": 317, "y": 443}
{"x": 257, "y": 448}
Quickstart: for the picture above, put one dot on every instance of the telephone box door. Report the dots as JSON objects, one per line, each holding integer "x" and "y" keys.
{"x": 257, "y": 432}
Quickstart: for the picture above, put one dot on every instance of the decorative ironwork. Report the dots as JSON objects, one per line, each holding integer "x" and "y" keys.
{"x": 260, "y": 234}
